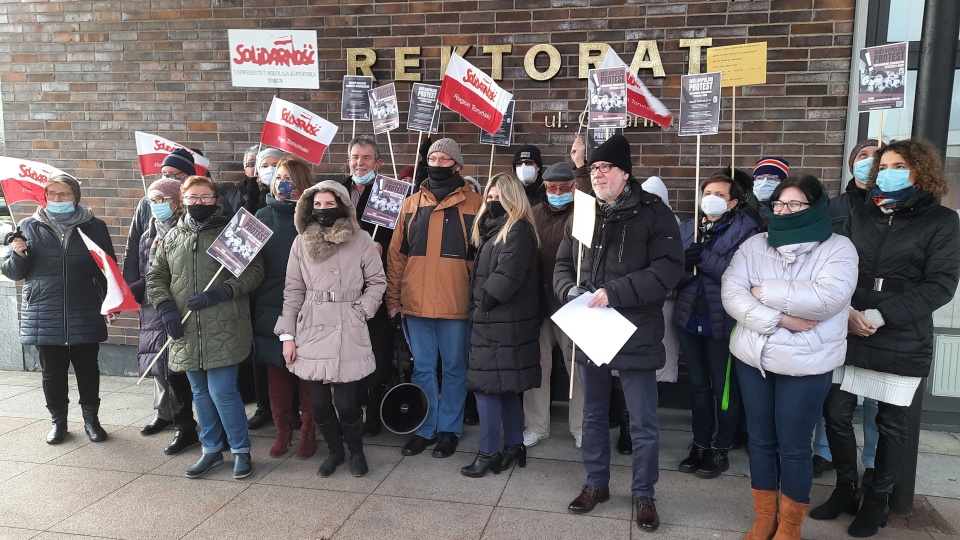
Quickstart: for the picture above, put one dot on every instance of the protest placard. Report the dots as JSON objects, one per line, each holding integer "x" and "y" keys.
{"x": 699, "y": 104}
{"x": 470, "y": 92}
{"x": 355, "y": 102}
{"x": 504, "y": 135}
{"x": 240, "y": 242}
{"x": 424, "y": 113}
{"x": 386, "y": 200}
{"x": 607, "y": 98}
{"x": 23, "y": 180}
{"x": 152, "y": 149}
{"x": 741, "y": 65}
{"x": 883, "y": 77}
{"x": 383, "y": 108}
{"x": 292, "y": 128}
{"x": 640, "y": 101}
{"x": 274, "y": 59}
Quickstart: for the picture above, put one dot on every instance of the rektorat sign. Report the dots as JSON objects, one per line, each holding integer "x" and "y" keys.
{"x": 274, "y": 59}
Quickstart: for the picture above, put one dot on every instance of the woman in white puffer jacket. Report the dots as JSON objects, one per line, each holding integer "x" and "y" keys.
{"x": 789, "y": 290}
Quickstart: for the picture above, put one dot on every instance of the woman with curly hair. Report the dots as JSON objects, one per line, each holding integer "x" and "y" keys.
{"x": 909, "y": 248}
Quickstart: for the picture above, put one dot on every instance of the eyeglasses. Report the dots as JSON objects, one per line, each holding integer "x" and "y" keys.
{"x": 194, "y": 199}
{"x": 173, "y": 176}
{"x": 524, "y": 162}
{"x": 773, "y": 177}
{"x": 602, "y": 167}
{"x": 558, "y": 189}
{"x": 437, "y": 160}
{"x": 160, "y": 200}
{"x": 794, "y": 206}
{"x": 250, "y": 164}
{"x": 59, "y": 197}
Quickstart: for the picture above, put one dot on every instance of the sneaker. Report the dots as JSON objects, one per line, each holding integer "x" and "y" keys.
{"x": 578, "y": 440}
{"x": 821, "y": 465}
{"x": 242, "y": 467}
{"x": 204, "y": 464}
{"x": 530, "y": 438}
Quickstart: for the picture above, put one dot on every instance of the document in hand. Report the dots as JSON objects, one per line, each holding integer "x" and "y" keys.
{"x": 600, "y": 332}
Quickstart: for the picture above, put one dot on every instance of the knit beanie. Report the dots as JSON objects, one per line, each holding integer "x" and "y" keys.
{"x": 615, "y": 150}
{"x": 776, "y": 166}
{"x": 860, "y": 146}
{"x": 528, "y": 151}
{"x": 269, "y": 152}
{"x": 448, "y": 147}
{"x": 169, "y": 188}
{"x": 182, "y": 160}
{"x": 404, "y": 172}
{"x": 656, "y": 186}
{"x": 558, "y": 172}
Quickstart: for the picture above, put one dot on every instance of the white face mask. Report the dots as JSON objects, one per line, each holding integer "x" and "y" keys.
{"x": 527, "y": 173}
{"x": 713, "y": 205}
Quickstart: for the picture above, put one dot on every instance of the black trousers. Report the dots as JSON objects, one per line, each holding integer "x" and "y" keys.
{"x": 370, "y": 389}
{"x": 181, "y": 400}
{"x": 343, "y": 396}
{"x": 55, "y": 361}
{"x": 891, "y": 425}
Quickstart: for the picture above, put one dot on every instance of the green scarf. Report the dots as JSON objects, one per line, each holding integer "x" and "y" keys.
{"x": 810, "y": 225}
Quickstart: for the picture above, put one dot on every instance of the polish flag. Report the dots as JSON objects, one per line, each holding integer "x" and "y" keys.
{"x": 152, "y": 149}
{"x": 118, "y": 298}
{"x": 640, "y": 101}
{"x": 23, "y": 180}
{"x": 292, "y": 128}
{"x": 284, "y": 40}
{"x": 470, "y": 92}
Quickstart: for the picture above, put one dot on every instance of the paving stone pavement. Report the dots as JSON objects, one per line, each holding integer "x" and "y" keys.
{"x": 126, "y": 488}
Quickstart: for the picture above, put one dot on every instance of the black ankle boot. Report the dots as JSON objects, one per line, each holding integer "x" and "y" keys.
{"x": 845, "y": 498}
{"x": 872, "y": 516}
{"x": 482, "y": 464}
{"x": 58, "y": 427}
{"x": 713, "y": 463}
{"x": 91, "y": 424}
{"x": 511, "y": 453}
{"x": 692, "y": 462}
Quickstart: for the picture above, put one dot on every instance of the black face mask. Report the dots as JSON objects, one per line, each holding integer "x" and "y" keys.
{"x": 200, "y": 212}
{"x": 495, "y": 209}
{"x": 326, "y": 216}
{"x": 439, "y": 174}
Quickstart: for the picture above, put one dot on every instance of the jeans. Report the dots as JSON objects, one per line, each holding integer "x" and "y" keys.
{"x": 449, "y": 339}
{"x": 55, "y": 361}
{"x": 781, "y": 414}
{"x": 219, "y": 409}
{"x": 496, "y": 410}
{"x": 706, "y": 360}
{"x": 869, "y": 454}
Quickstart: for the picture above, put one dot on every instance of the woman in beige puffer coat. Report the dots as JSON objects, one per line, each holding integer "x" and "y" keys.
{"x": 335, "y": 283}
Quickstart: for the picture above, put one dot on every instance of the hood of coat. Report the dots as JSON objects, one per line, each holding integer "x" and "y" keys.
{"x": 318, "y": 241}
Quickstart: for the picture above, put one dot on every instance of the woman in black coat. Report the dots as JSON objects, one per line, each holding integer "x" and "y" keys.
{"x": 909, "y": 248}
{"x": 505, "y": 312}
{"x": 62, "y": 293}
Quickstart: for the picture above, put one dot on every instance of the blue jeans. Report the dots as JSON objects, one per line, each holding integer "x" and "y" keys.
{"x": 706, "y": 361}
{"x": 219, "y": 409}
{"x": 870, "y": 435}
{"x": 781, "y": 413}
{"x": 496, "y": 410}
{"x": 450, "y": 339}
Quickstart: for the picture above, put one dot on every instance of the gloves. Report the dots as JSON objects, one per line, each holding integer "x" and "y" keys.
{"x": 170, "y": 316}
{"x": 488, "y": 302}
{"x": 574, "y": 292}
{"x": 691, "y": 256}
{"x": 208, "y": 298}
{"x": 138, "y": 288}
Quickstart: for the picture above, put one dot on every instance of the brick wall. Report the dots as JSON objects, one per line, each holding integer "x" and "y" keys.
{"x": 80, "y": 77}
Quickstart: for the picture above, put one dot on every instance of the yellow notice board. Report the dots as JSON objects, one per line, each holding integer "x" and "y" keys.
{"x": 741, "y": 65}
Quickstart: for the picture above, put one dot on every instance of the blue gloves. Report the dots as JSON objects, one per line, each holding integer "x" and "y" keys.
{"x": 208, "y": 298}
{"x": 170, "y": 316}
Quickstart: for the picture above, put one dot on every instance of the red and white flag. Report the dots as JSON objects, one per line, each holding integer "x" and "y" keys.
{"x": 118, "y": 297}
{"x": 292, "y": 128}
{"x": 470, "y": 92}
{"x": 152, "y": 149}
{"x": 640, "y": 101}
{"x": 24, "y": 180}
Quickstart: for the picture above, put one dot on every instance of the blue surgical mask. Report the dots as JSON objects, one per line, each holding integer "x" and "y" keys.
{"x": 266, "y": 175}
{"x": 60, "y": 207}
{"x": 763, "y": 189}
{"x": 365, "y": 179}
{"x": 890, "y": 180}
{"x": 559, "y": 201}
{"x": 161, "y": 211}
{"x": 861, "y": 169}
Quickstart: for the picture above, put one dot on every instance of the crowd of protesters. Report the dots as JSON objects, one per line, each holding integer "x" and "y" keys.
{"x": 788, "y": 308}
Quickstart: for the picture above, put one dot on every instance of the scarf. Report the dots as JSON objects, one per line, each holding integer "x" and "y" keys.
{"x": 810, "y": 225}
{"x": 162, "y": 227}
{"x": 490, "y": 226}
{"x": 64, "y": 222}
{"x": 890, "y": 202}
{"x": 443, "y": 189}
{"x": 609, "y": 207}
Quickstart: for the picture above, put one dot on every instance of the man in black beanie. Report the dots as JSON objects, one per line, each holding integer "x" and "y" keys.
{"x": 528, "y": 164}
{"x": 636, "y": 258}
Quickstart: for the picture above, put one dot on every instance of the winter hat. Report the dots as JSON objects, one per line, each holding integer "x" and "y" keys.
{"x": 269, "y": 152}
{"x": 860, "y": 146}
{"x": 655, "y": 186}
{"x": 615, "y": 150}
{"x": 405, "y": 172}
{"x": 528, "y": 151}
{"x": 448, "y": 147}
{"x": 182, "y": 160}
{"x": 776, "y": 166}
{"x": 558, "y": 172}
{"x": 169, "y": 188}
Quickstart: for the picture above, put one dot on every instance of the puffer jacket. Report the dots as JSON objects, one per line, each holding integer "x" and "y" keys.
{"x": 810, "y": 280}
{"x": 152, "y": 333}
{"x": 505, "y": 341}
{"x": 63, "y": 287}
{"x": 916, "y": 251}
{"x": 219, "y": 335}
{"x": 430, "y": 259}
{"x": 716, "y": 255}
{"x": 332, "y": 340}
{"x": 842, "y": 205}
{"x": 268, "y": 298}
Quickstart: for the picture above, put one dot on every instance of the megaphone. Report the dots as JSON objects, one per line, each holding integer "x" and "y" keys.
{"x": 404, "y": 408}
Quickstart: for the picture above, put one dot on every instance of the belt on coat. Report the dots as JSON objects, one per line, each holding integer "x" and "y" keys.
{"x": 333, "y": 296}
{"x": 883, "y": 285}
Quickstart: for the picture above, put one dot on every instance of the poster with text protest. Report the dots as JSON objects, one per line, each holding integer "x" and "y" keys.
{"x": 240, "y": 242}
{"x": 883, "y": 77}
{"x": 699, "y": 104}
{"x": 424, "y": 113}
{"x": 292, "y": 128}
{"x": 384, "y": 109}
{"x": 472, "y": 93}
{"x": 274, "y": 59}
{"x": 355, "y": 104}
{"x": 23, "y": 180}
{"x": 607, "y": 98}
{"x": 504, "y": 135}
{"x": 386, "y": 200}
{"x": 152, "y": 149}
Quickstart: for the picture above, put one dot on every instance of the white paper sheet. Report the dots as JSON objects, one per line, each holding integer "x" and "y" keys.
{"x": 599, "y": 332}
{"x": 584, "y": 217}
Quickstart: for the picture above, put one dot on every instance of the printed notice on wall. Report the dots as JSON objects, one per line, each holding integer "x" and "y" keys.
{"x": 741, "y": 65}
{"x": 274, "y": 59}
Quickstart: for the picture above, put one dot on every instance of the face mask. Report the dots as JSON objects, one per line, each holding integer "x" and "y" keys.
{"x": 495, "y": 209}
{"x": 559, "y": 201}
{"x": 861, "y": 169}
{"x": 161, "y": 211}
{"x": 326, "y": 216}
{"x": 287, "y": 191}
{"x": 60, "y": 207}
{"x": 266, "y": 175}
{"x": 439, "y": 174}
{"x": 365, "y": 179}
{"x": 890, "y": 180}
{"x": 200, "y": 212}
{"x": 527, "y": 173}
{"x": 713, "y": 205}
{"x": 763, "y": 189}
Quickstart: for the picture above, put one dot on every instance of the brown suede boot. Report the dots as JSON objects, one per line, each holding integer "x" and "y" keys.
{"x": 308, "y": 430}
{"x": 281, "y": 387}
{"x": 791, "y": 516}
{"x": 765, "y": 515}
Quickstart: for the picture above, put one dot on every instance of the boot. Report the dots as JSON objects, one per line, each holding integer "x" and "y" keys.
{"x": 58, "y": 428}
{"x": 765, "y": 515}
{"x": 281, "y": 387}
{"x": 353, "y": 435}
{"x": 791, "y": 516}
{"x": 845, "y": 498}
{"x": 511, "y": 453}
{"x": 872, "y": 516}
{"x": 308, "y": 433}
{"x": 619, "y": 404}
{"x": 331, "y": 434}
{"x": 714, "y": 463}
{"x": 692, "y": 462}
{"x": 483, "y": 463}
{"x": 91, "y": 423}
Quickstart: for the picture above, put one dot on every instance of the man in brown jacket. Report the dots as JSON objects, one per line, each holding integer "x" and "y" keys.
{"x": 428, "y": 279}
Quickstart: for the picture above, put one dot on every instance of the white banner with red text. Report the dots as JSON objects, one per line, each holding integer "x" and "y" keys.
{"x": 292, "y": 128}
{"x": 152, "y": 149}
{"x": 640, "y": 101}
{"x": 24, "y": 180}
{"x": 274, "y": 59}
{"x": 472, "y": 93}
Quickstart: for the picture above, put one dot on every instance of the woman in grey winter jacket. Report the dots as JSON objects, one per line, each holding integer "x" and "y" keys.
{"x": 335, "y": 283}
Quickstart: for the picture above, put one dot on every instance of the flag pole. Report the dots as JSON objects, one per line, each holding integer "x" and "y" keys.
{"x": 580, "y": 117}
{"x": 696, "y": 207}
{"x": 353, "y": 131}
{"x": 880, "y": 129}
{"x": 490, "y": 170}
{"x": 416, "y": 158}
{"x": 733, "y": 134}
{"x": 573, "y": 354}
{"x": 393, "y": 160}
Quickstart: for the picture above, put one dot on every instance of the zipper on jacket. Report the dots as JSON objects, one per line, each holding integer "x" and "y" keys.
{"x": 623, "y": 238}
{"x": 599, "y": 254}
{"x": 883, "y": 240}
{"x": 196, "y": 276}
{"x": 63, "y": 264}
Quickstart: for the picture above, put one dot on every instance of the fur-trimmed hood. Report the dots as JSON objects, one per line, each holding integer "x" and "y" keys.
{"x": 320, "y": 242}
